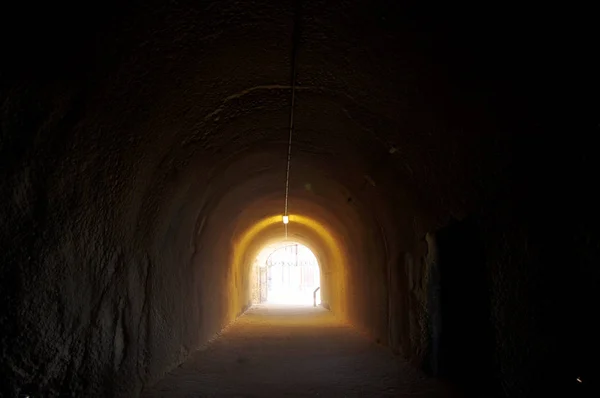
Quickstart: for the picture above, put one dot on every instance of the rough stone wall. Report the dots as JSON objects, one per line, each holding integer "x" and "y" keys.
{"x": 133, "y": 137}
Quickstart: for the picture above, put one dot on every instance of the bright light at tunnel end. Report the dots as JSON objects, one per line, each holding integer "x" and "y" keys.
{"x": 286, "y": 219}
{"x": 331, "y": 246}
{"x": 286, "y": 274}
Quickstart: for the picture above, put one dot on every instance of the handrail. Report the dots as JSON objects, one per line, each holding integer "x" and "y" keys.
{"x": 315, "y": 296}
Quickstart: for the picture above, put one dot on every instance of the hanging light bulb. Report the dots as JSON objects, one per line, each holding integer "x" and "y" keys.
{"x": 286, "y": 218}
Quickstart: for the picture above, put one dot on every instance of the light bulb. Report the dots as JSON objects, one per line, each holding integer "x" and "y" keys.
{"x": 286, "y": 219}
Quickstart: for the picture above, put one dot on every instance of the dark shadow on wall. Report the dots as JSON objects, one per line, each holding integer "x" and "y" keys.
{"x": 462, "y": 340}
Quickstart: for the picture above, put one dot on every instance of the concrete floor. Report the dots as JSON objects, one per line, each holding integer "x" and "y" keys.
{"x": 282, "y": 351}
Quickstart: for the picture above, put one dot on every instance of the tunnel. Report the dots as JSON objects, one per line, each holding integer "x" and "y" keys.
{"x": 442, "y": 170}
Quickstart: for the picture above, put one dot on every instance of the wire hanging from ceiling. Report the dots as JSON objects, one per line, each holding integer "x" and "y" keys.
{"x": 295, "y": 39}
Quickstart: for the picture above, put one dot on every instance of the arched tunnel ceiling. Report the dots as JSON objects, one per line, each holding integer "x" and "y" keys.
{"x": 195, "y": 83}
{"x": 140, "y": 143}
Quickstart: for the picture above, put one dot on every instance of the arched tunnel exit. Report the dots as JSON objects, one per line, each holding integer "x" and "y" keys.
{"x": 442, "y": 172}
{"x": 286, "y": 272}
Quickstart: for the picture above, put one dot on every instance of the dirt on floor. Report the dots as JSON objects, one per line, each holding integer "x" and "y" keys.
{"x": 277, "y": 351}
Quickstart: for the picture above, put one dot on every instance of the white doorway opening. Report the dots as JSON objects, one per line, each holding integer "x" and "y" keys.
{"x": 287, "y": 274}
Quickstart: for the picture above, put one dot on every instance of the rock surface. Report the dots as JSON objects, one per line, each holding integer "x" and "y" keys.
{"x": 278, "y": 351}
{"x": 143, "y": 144}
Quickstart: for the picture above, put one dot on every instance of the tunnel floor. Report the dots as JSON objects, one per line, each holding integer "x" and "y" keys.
{"x": 283, "y": 351}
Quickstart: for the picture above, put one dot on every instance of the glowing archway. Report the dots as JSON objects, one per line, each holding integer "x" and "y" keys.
{"x": 286, "y": 273}
{"x": 328, "y": 250}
